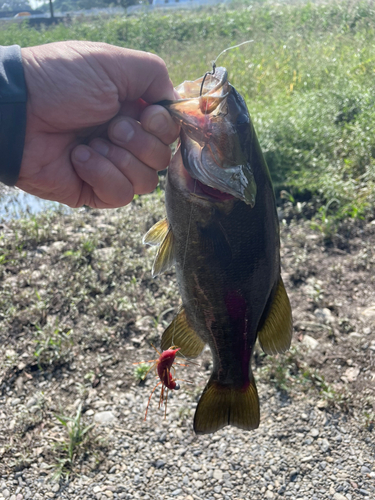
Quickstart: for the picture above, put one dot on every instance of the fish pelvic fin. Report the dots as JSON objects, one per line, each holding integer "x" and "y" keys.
{"x": 161, "y": 235}
{"x": 222, "y": 405}
{"x": 275, "y": 335}
{"x": 179, "y": 333}
{"x": 155, "y": 236}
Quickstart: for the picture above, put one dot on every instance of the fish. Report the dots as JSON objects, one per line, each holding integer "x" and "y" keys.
{"x": 221, "y": 233}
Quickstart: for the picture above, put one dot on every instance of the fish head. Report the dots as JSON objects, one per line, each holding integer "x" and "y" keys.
{"x": 216, "y": 133}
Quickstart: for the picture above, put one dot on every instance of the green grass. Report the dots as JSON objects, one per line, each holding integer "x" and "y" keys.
{"x": 77, "y": 440}
{"x": 308, "y": 79}
{"x": 141, "y": 371}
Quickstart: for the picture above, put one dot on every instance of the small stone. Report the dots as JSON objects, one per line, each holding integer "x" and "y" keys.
{"x": 104, "y": 417}
{"x": 365, "y": 470}
{"x": 364, "y": 492}
{"x": 314, "y": 433}
{"x": 321, "y": 404}
{"x": 293, "y": 475}
{"x": 108, "y": 493}
{"x": 338, "y": 496}
{"x": 218, "y": 474}
{"x": 19, "y": 496}
{"x": 324, "y": 445}
{"x": 368, "y": 314}
{"x": 6, "y": 493}
{"x": 324, "y": 315}
{"x": 351, "y": 374}
{"x": 96, "y": 489}
{"x": 15, "y": 401}
{"x": 310, "y": 342}
{"x": 269, "y": 494}
{"x": 159, "y": 464}
{"x": 55, "y": 488}
{"x": 176, "y": 492}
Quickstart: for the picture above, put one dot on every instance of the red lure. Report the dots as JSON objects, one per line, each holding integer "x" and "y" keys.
{"x": 163, "y": 367}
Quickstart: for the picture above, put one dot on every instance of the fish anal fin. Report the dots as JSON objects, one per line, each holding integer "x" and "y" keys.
{"x": 165, "y": 256}
{"x": 222, "y": 405}
{"x": 275, "y": 335}
{"x": 156, "y": 234}
{"x": 180, "y": 334}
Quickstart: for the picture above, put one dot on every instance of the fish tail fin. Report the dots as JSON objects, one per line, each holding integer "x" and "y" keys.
{"x": 222, "y": 405}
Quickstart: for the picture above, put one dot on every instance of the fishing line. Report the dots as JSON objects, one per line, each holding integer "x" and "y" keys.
{"x": 189, "y": 226}
{"x": 230, "y": 48}
{"x": 187, "y": 242}
{"x": 214, "y": 62}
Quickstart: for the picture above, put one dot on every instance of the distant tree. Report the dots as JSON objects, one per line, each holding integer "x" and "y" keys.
{"x": 15, "y": 5}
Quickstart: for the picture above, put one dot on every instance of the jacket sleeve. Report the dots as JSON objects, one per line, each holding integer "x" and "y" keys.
{"x": 13, "y": 96}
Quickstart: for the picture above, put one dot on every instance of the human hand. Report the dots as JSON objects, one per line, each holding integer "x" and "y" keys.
{"x": 91, "y": 136}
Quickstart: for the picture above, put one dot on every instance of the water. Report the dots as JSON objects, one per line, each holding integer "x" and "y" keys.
{"x": 15, "y": 204}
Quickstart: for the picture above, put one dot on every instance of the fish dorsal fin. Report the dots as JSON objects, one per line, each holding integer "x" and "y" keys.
{"x": 179, "y": 333}
{"x": 222, "y": 405}
{"x": 155, "y": 236}
{"x": 165, "y": 255}
{"x": 276, "y": 333}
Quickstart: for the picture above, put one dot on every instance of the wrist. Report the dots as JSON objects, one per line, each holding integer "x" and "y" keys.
{"x": 13, "y": 98}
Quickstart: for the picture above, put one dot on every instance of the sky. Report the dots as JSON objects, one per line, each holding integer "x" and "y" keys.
{"x": 35, "y": 3}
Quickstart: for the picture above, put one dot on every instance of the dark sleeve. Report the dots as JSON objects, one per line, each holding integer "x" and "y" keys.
{"x": 13, "y": 98}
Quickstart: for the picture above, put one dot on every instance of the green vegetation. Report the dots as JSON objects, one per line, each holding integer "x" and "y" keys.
{"x": 290, "y": 375}
{"x": 78, "y": 439}
{"x": 141, "y": 371}
{"x": 308, "y": 79}
{"x": 53, "y": 346}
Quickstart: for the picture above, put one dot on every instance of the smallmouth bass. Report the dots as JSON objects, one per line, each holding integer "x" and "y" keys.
{"x": 222, "y": 235}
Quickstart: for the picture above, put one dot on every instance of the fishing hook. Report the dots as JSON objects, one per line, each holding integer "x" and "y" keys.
{"x": 206, "y": 74}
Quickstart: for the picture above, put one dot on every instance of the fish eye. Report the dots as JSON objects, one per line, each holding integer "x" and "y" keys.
{"x": 177, "y": 386}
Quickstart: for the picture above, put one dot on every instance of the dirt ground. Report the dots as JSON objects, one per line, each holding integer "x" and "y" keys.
{"x": 79, "y": 307}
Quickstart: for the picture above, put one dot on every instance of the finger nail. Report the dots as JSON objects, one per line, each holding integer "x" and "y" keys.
{"x": 123, "y": 131}
{"x": 158, "y": 123}
{"x": 100, "y": 147}
{"x": 81, "y": 153}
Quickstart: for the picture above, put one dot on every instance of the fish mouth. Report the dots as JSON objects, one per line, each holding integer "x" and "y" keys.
{"x": 215, "y": 128}
{"x": 211, "y": 192}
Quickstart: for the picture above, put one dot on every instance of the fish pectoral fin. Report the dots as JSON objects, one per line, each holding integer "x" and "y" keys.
{"x": 276, "y": 333}
{"x": 155, "y": 235}
{"x": 223, "y": 405}
{"x": 165, "y": 255}
{"x": 215, "y": 243}
{"x": 180, "y": 334}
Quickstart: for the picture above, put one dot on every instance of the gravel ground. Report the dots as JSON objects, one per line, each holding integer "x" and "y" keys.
{"x": 299, "y": 451}
{"x": 77, "y": 309}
